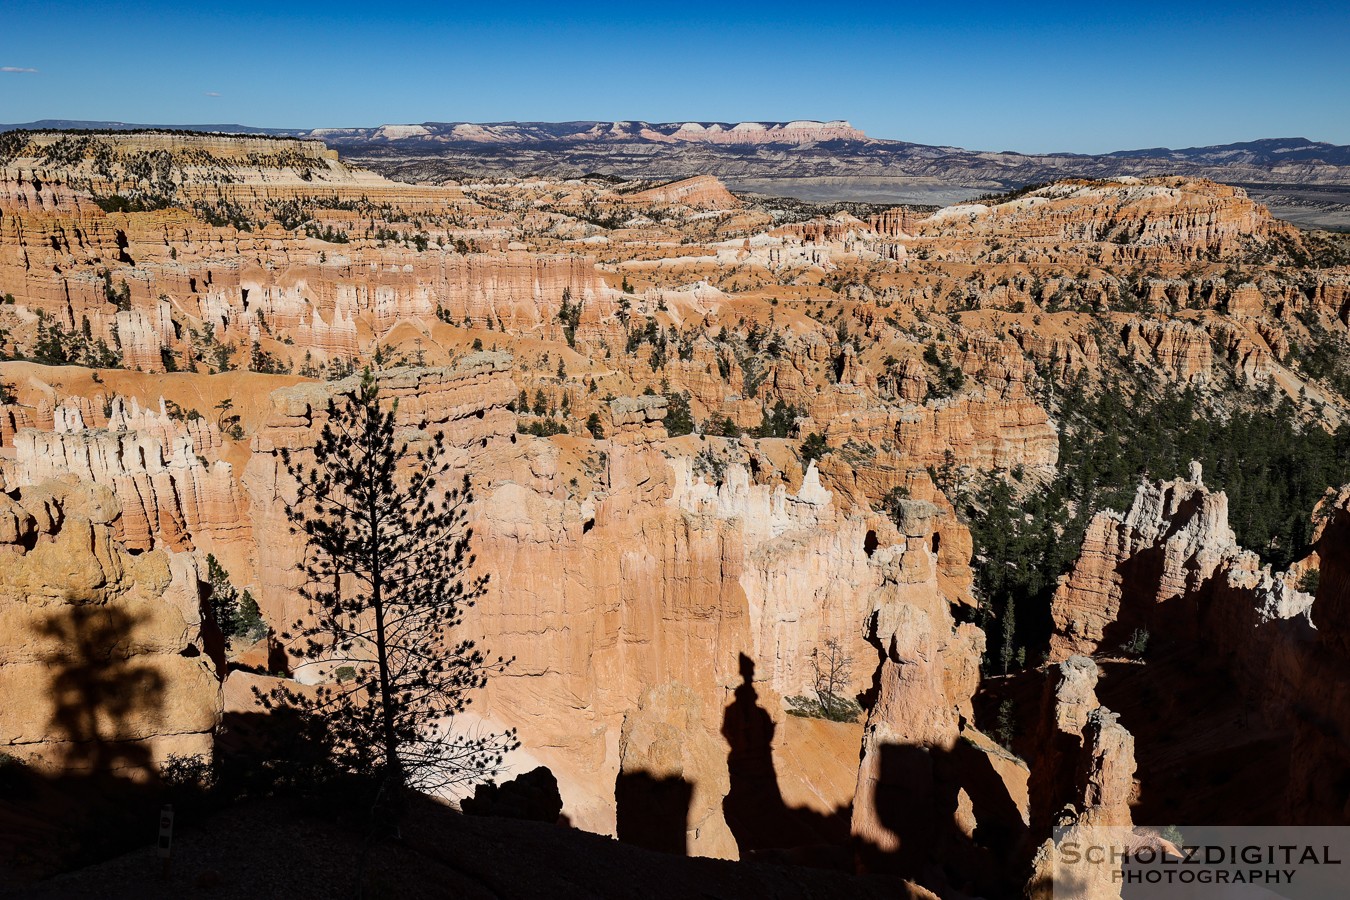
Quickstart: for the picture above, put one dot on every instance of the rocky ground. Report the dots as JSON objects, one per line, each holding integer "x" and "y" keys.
{"x": 280, "y": 849}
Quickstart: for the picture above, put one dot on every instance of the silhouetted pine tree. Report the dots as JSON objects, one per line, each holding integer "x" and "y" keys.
{"x": 387, "y": 578}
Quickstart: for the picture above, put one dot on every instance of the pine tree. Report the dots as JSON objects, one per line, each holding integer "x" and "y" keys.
{"x": 387, "y": 577}
{"x": 679, "y": 419}
{"x": 1007, "y": 653}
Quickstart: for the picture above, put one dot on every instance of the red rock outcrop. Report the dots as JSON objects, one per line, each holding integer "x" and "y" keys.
{"x": 103, "y": 665}
{"x": 1143, "y": 569}
{"x": 732, "y": 576}
{"x": 1082, "y": 786}
{"x": 699, "y": 192}
{"x": 1180, "y": 350}
{"x": 1172, "y": 568}
{"x": 928, "y": 779}
{"x": 979, "y": 431}
{"x": 169, "y": 495}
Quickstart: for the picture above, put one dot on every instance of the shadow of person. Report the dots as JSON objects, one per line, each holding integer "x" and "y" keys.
{"x": 753, "y": 807}
{"x": 759, "y": 817}
{"x": 909, "y": 805}
{"x": 99, "y": 691}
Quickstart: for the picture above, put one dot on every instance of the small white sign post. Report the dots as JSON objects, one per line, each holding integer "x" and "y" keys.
{"x": 165, "y": 846}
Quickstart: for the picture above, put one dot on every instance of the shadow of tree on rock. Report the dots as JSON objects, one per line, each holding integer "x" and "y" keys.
{"x": 99, "y": 691}
{"x": 91, "y": 789}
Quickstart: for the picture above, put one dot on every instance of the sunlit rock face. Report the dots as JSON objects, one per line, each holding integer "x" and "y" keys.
{"x": 104, "y": 666}
{"x": 662, "y": 580}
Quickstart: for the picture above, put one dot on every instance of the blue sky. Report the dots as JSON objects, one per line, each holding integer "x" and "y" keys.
{"x": 1076, "y": 77}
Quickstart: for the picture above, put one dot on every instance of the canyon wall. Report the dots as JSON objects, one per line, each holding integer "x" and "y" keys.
{"x": 105, "y": 668}
{"x": 657, "y": 592}
{"x": 702, "y": 433}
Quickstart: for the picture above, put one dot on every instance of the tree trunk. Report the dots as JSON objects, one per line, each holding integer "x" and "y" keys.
{"x": 393, "y": 771}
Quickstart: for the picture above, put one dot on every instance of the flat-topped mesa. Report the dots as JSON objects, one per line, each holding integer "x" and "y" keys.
{"x": 162, "y": 163}
{"x": 65, "y": 147}
{"x": 799, "y": 132}
{"x": 149, "y": 171}
{"x": 1130, "y": 218}
{"x": 133, "y": 277}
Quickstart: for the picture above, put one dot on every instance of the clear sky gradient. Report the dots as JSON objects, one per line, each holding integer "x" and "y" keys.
{"x": 1082, "y": 77}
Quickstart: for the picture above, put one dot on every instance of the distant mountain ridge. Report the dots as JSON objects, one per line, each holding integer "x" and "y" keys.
{"x": 1264, "y": 152}
{"x": 788, "y": 133}
{"x": 1304, "y": 180}
{"x": 1267, "y": 151}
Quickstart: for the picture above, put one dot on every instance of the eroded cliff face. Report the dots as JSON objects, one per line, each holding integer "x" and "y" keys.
{"x": 928, "y": 780}
{"x": 104, "y": 669}
{"x": 1155, "y": 212}
{"x": 157, "y": 468}
{"x": 1144, "y": 569}
{"x": 1171, "y": 570}
{"x": 1314, "y": 697}
{"x": 1082, "y": 786}
{"x": 639, "y": 591}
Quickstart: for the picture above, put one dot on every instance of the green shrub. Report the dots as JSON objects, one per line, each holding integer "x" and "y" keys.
{"x": 679, "y": 419}
{"x": 1310, "y": 582}
{"x": 814, "y": 447}
{"x": 1136, "y": 645}
{"x": 235, "y": 612}
{"x": 825, "y": 706}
